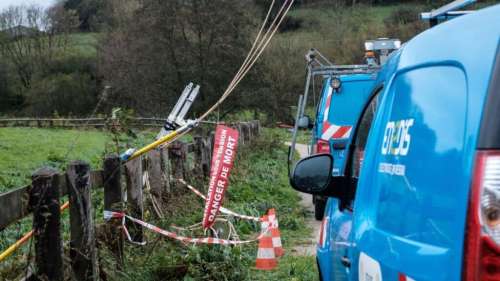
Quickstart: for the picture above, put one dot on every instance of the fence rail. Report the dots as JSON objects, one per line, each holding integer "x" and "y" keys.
{"x": 42, "y": 199}
{"x": 14, "y": 203}
{"x": 142, "y": 122}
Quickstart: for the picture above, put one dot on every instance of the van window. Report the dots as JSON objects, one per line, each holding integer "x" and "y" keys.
{"x": 362, "y": 135}
{"x": 490, "y": 125}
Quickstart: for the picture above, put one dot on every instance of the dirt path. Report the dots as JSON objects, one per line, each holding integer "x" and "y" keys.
{"x": 308, "y": 248}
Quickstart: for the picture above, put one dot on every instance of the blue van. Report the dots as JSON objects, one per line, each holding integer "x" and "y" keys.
{"x": 424, "y": 203}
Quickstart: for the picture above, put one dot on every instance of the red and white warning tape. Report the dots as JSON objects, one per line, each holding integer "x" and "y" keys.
{"x": 108, "y": 215}
{"x": 222, "y": 209}
{"x": 205, "y": 240}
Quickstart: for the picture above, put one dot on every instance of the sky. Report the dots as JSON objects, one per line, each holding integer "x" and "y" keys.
{"x": 6, "y": 3}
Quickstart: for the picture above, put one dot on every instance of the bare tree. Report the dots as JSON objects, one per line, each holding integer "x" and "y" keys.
{"x": 31, "y": 37}
{"x": 166, "y": 44}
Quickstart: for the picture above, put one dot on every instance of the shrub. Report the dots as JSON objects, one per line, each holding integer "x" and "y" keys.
{"x": 290, "y": 24}
{"x": 404, "y": 23}
{"x": 402, "y": 15}
{"x": 71, "y": 64}
{"x": 66, "y": 94}
{"x": 9, "y": 101}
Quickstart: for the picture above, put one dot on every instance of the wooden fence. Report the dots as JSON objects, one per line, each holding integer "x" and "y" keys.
{"x": 120, "y": 180}
{"x": 141, "y": 122}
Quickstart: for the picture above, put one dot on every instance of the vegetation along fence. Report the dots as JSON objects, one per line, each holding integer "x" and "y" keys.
{"x": 43, "y": 199}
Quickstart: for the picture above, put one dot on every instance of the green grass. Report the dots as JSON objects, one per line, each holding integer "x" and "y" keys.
{"x": 317, "y": 16}
{"x": 303, "y": 136}
{"x": 339, "y": 33}
{"x": 85, "y": 44}
{"x": 23, "y": 150}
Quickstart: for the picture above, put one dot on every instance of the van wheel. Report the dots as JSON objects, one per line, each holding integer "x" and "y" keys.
{"x": 319, "y": 209}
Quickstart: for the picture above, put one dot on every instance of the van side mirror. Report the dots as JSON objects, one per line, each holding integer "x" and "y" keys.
{"x": 312, "y": 174}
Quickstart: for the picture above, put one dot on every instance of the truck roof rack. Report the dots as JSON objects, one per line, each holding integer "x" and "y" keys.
{"x": 314, "y": 57}
{"x": 318, "y": 64}
{"x": 344, "y": 69}
{"x": 446, "y": 12}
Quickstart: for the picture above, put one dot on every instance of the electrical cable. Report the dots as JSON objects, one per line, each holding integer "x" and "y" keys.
{"x": 262, "y": 46}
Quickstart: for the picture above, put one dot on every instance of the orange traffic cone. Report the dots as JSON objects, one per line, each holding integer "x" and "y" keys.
{"x": 275, "y": 233}
{"x": 266, "y": 259}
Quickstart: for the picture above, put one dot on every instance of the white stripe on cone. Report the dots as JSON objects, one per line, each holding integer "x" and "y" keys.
{"x": 266, "y": 253}
{"x": 276, "y": 242}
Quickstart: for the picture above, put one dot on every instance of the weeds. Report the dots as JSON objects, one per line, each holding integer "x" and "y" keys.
{"x": 259, "y": 182}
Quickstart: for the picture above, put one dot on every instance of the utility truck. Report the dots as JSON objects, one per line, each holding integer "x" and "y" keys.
{"x": 345, "y": 90}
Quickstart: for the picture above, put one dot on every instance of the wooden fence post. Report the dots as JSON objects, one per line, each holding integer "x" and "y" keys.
{"x": 198, "y": 151}
{"x": 156, "y": 180}
{"x": 250, "y": 131}
{"x": 166, "y": 168}
{"x": 246, "y": 129}
{"x": 113, "y": 201}
{"x": 82, "y": 245}
{"x": 178, "y": 157}
{"x": 211, "y": 142}
{"x": 202, "y": 158}
{"x": 256, "y": 128}
{"x": 44, "y": 201}
{"x": 241, "y": 134}
{"x": 207, "y": 156}
{"x": 135, "y": 207}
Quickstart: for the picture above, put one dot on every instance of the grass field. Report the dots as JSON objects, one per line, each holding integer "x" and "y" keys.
{"x": 23, "y": 150}
{"x": 84, "y": 44}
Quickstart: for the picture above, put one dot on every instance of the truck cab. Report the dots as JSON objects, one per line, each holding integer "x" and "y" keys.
{"x": 425, "y": 200}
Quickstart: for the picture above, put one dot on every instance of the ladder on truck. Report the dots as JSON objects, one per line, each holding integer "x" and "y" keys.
{"x": 447, "y": 12}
